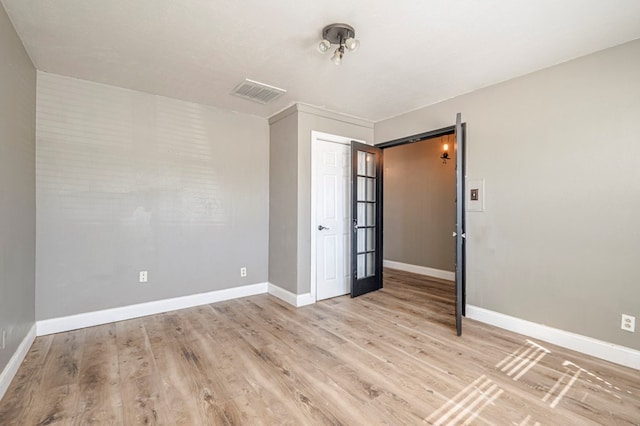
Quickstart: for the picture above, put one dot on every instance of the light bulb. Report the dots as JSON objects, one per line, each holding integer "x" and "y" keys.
{"x": 337, "y": 56}
{"x": 324, "y": 46}
{"x": 445, "y": 147}
{"x": 352, "y": 44}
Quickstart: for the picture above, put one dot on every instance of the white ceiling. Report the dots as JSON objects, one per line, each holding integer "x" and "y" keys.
{"x": 413, "y": 52}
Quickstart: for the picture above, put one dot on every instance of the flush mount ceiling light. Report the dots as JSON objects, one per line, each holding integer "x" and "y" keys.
{"x": 342, "y": 35}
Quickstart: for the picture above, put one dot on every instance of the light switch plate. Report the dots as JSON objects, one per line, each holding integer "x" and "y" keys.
{"x": 474, "y": 197}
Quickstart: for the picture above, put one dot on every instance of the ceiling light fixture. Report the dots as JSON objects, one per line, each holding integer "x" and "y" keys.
{"x": 342, "y": 35}
{"x": 445, "y": 153}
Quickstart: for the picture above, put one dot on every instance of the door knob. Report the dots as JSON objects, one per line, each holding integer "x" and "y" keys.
{"x": 321, "y": 228}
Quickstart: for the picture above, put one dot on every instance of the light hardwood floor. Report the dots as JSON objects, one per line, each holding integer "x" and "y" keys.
{"x": 389, "y": 357}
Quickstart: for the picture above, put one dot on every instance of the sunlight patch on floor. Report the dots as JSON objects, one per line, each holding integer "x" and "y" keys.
{"x": 526, "y": 420}
{"x": 467, "y": 404}
{"x": 523, "y": 359}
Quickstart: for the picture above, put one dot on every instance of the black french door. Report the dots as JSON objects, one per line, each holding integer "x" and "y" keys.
{"x": 366, "y": 236}
{"x": 460, "y": 287}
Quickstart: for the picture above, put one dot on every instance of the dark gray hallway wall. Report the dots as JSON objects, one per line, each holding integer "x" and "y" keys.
{"x": 558, "y": 241}
{"x": 419, "y": 205}
{"x": 17, "y": 189}
{"x": 129, "y": 181}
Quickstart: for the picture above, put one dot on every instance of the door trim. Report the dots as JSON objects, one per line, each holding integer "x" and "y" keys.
{"x": 316, "y": 137}
{"x": 449, "y": 130}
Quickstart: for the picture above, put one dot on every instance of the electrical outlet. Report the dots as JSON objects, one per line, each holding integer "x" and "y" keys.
{"x": 628, "y": 323}
{"x": 243, "y": 272}
{"x": 143, "y": 276}
{"x": 4, "y": 339}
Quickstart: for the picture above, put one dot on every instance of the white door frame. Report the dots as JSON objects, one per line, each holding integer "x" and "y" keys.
{"x": 316, "y": 137}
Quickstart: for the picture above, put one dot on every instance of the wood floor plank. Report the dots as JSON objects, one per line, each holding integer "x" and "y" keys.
{"x": 175, "y": 362}
{"x": 23, "y": 392}
{"x": 58, "y": 391}
{"x": 251, "y": 403}
{"x": 99, "y": 379}
{"x": 141, "y": 390}
{"x": 388, "y": 357}
{"x": 218, "y": 362}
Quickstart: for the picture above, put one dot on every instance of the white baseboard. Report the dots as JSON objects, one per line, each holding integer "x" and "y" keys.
{"x": 89, "y": 319}
{"x": 11, "y": 368}
{"x": 577, "y": 342}
{"x": 296, "y": 300}
{"x": 422, "y": 270}
{"x": 304, "y": 300}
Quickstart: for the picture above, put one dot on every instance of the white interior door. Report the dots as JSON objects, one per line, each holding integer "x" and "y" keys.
{"x": 332, "y": 214}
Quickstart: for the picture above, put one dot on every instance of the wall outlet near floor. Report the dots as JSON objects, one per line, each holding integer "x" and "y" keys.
{"x": 628, "y": 323}
{"x": 4, "y": 339}
{"x": 143, "y": 276}
{"x": 243, "y": 272}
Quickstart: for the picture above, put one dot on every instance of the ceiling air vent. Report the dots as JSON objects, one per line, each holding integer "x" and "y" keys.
{"x": 257, "y": 92}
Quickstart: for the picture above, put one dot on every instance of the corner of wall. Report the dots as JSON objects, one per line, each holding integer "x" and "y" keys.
{"x": 10, "y": 370}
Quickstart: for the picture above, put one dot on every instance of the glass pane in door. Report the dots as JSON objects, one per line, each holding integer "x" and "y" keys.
{"x": 366, "y": 215}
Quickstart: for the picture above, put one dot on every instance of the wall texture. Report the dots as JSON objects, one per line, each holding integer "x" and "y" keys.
{"x": 128, "y": 181}
{"x": 419, "y": 204}
{"x": 558, "y": 242}
{"x": 17, "y": 189}
{"x": 289, "y": 264}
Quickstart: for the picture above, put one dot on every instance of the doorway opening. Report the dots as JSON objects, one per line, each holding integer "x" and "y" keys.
{"x": 419, "y": 208}
{"x": 458, "y": 232}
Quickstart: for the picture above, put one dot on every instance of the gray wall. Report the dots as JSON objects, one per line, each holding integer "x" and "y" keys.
{"x": 128, "y": 181}
{"x": 419, "y": 204}
{"x": 558, "y": 243}
{"x": 308, "y": 119}
{"x": 17, "y": 189}
{"x": 283, "y": 206}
